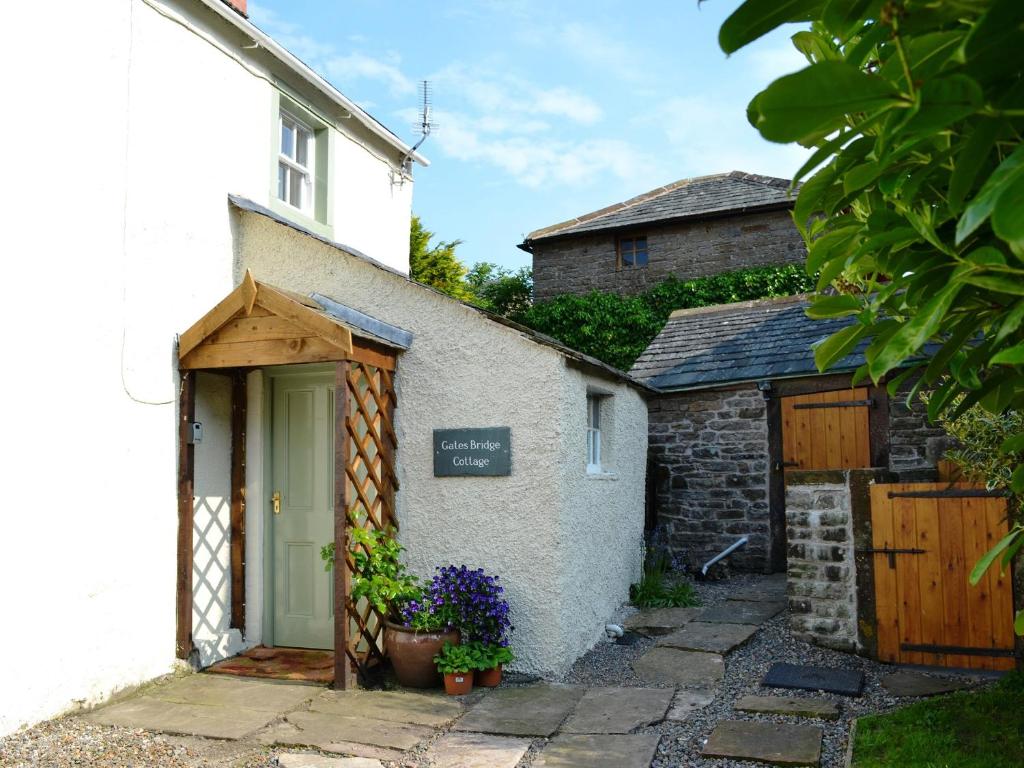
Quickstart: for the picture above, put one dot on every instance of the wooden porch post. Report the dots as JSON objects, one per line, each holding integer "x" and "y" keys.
{"x": 239, "y": 406}
{"x": 186, "y": 483}
{"x": 343, "y": 677}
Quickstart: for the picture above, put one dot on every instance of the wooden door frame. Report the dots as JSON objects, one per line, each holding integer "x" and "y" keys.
{"x": 774, "y": 391}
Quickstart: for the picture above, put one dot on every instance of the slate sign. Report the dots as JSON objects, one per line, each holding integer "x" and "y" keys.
{"x": 486, "y": 451}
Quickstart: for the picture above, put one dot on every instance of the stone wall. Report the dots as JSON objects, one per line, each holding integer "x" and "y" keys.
{"x": 914, "y": 443}
{"x": 686, "y": 250}
{"x": 711, "y": 453}
{"x": 820, "y": 559}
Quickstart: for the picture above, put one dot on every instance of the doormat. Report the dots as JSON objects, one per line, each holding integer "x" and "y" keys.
{"x": 848, "y": 682}
{"x": 299, "y": 664}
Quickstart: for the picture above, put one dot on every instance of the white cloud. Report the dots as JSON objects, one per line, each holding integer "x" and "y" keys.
{"x": 601, "y": 51}
{"x": 768, "y": 63}
{"x": 342, "y": 70}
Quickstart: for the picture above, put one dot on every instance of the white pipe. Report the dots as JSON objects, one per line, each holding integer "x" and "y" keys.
{"x": 614, "y": 630}
{"x": 723, "y": 554}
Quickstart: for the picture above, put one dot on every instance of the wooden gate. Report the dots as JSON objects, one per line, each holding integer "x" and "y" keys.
{"x": 926, "y": 538}
{"x": 826, "y": 430}
{"x": 369, "y": 488}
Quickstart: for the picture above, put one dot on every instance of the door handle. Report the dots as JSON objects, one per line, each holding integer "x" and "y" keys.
{"x": 276, "y": 498}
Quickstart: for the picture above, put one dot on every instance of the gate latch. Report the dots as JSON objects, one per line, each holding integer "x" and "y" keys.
{"x": 891, "y": 552}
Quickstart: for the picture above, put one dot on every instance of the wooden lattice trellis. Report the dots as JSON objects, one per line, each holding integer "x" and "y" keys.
{"x": 368, "y": 493}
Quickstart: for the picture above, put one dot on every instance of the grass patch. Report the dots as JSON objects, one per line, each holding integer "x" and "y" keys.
{"x": 656, "y": 590}
{"x": 979, "y": 729}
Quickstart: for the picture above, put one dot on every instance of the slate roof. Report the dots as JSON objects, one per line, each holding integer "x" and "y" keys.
{"x": 731, "y": 343}
{"x": 697, "y": 198}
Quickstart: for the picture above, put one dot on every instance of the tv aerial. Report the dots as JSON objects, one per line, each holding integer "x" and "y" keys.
{"x": 424, "y": 125}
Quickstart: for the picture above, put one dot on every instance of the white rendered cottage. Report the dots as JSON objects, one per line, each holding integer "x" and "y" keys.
{"x": 136, "y": 121}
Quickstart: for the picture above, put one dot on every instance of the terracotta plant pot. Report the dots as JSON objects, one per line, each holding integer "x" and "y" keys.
{"x": 458, "y": 683}
{"x": 488, "y": 678}
{"x": 412, "y": 654}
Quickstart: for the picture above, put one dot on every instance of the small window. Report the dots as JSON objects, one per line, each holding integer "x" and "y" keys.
{"x": 295, "y": 163}
{"x": 593, "y": 434}
{"x": 632, "y": 252}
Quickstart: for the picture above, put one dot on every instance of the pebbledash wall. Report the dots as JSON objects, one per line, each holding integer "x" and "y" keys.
{"x": 566, "y": 544}
{"x": 710, "y": 449}
{"x": 123, "y": 222}
{"x": 585, "y": 263}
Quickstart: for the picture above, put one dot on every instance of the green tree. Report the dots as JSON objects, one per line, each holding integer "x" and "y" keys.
{"x": 501, "y": 290}
{"x": 913, "y": 196}
{"x": 436, "y": 265}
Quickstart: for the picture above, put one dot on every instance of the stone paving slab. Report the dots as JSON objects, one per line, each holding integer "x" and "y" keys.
{"x": 916, "y": 684}
{"x": 536, "y": 710}
{"x": 826, "y": 709}
{"x": 686, "y": 669}
{"x": 686, "y": 702}
{"x": 618, "y": 710}
{"x": 308, "y": 760}
{"x": 660, "y": 621}
{"x": 848, "y": 682}
{"x": 189, "y": 719}
{"x": 771, "y": 589}
{"x": 323, "y": 730}
{"x": 594, "y": 751}
{"x": 740, "y": 612}
{"x": 397, "y": 706}
{"x": 712, "y": 638}
{"x": 476, "y": 750}
{"x": 772, "y": 743}
{"x": 224, "y": 691}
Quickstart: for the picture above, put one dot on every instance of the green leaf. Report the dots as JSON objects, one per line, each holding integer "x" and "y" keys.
{"x": 1018, "y": 623}
{"x": 999, "y": 33}
{"x": 815, "y": 100}
{"x": 981, "y": 207}
{"x": 1008, "y": 215}
{"x": 833, "y": 306}
{"x": 837, "y": 346}
{"x": 1011, "y": 321}
{"x": 842, "y": 16}
{"x": 1011, "y": 356}
{"x": 1017, "y": 480}
{"x": 830, "y": 246}
{"x": 943, "y": 102}
{"x": 969, "y": 161}
{"x": 1013, "y": 444}
{"x": 759, "y": 17}
{"x": 915, "y": 332}
{"x": 996, "y": 283}
{"x": 989, "y": 557}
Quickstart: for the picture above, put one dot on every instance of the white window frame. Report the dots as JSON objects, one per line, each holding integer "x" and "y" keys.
{"x": 293, "y": 165}
{"x": 593, "y": 434}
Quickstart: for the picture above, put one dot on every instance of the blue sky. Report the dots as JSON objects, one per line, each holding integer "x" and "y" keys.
{"x": 546, "y": 109}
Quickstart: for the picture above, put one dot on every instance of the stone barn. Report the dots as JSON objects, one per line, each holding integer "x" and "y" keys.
{"x": 741, "y": 405}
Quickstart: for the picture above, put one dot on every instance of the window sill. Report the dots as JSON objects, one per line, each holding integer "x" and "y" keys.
{"x": 601, "y": 476}
{"x": 301, "y": 218}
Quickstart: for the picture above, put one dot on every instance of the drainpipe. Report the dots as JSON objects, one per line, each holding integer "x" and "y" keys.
{"x": 723, "y": 554}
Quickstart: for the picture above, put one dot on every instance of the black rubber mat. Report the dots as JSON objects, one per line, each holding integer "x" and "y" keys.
{"x": 847, "y": 682}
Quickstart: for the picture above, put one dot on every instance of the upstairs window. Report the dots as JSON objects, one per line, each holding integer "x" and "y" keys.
{"x": 593, "y": 434}
{"x": 295, "y": 163}
{"x": 632, "y": 251}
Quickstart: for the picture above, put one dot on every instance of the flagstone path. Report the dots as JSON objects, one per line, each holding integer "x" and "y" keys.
{"x": 672, "y": 705}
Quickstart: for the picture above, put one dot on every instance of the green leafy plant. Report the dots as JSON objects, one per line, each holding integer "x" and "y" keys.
{"x": 911, "y": 200}
{"x": 379, "y": 576}
{"x": 455, "y": 659}
{"x": 616, "y": 329}
{"x": 501, "y": 290}
{"x": 490, "y": 655}
{"x": 659, "y": 587}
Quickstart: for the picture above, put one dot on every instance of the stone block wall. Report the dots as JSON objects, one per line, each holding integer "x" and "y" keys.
{"x": 912, "y": 438}
{"x": 687, "y": 250}
{"x": 820, "y": 560}
{"x": 711, "y": 453}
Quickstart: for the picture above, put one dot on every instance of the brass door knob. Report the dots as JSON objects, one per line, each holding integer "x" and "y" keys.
{"x": 276, "y": 498}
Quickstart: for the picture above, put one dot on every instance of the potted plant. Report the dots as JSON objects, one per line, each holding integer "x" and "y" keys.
{"x": 456, "y": 663}
{"x": 413, "y": 633}
{"x": 491, "y": 659}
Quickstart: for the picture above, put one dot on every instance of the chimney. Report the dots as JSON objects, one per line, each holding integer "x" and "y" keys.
{"x": 238, "y": 5}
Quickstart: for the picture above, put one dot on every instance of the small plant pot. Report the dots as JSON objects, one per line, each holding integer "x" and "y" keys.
{"x": 458, "y": 683}
{"x": 488, "y": 678}
{"x": 412, "y": 654}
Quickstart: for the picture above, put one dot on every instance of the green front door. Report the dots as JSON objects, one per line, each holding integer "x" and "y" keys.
{"x": 301, "y": 505}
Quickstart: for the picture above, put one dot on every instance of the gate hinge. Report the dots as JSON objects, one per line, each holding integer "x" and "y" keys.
{"x": 890, "y": 551}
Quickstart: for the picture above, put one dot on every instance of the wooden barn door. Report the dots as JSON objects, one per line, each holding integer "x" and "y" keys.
{"x": 826, "y": 430}
{"x": 926, "y": 538}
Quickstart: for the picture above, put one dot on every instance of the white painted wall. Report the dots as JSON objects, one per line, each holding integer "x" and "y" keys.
{"x": 125, "y": 133}
{"x": 566, "y": 547}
